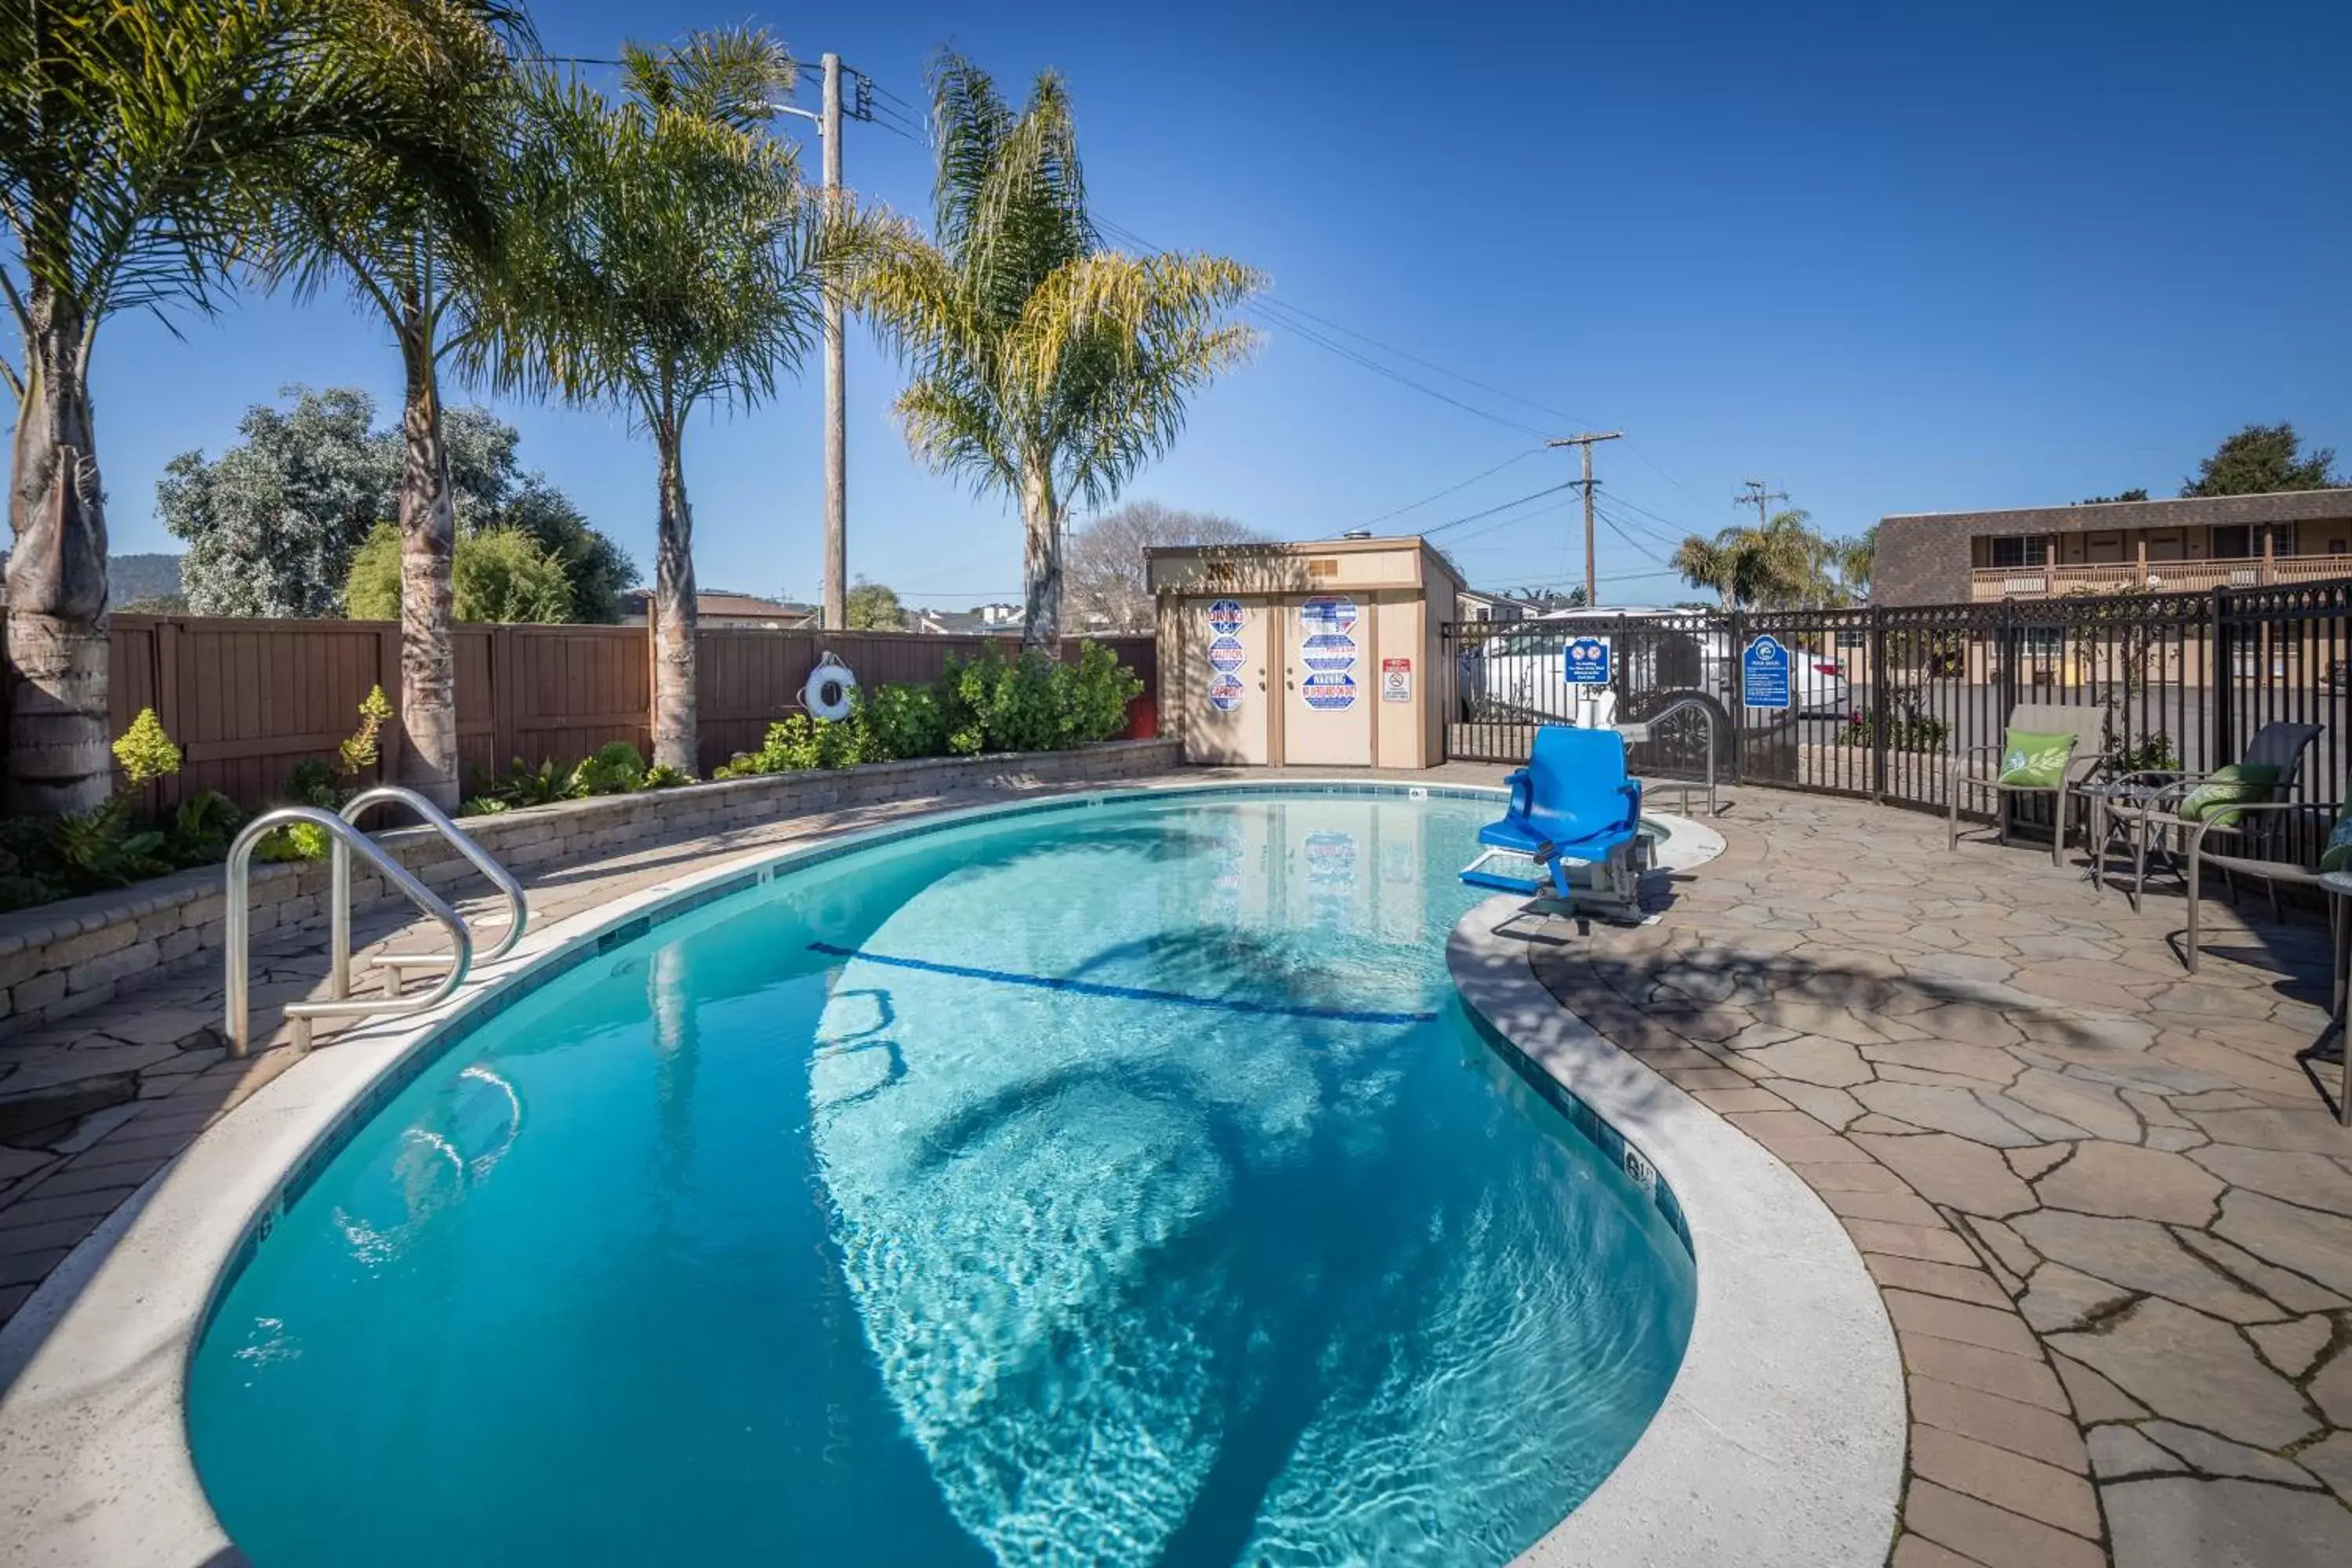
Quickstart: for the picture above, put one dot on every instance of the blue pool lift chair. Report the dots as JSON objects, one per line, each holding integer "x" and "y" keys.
{"x": 1573, "y": 828}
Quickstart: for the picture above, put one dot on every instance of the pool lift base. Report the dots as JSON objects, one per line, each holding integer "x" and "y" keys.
{"x": 1610, "y": 888}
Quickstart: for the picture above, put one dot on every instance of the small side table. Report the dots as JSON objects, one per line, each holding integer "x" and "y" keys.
{"x": 2329, "y": 1046}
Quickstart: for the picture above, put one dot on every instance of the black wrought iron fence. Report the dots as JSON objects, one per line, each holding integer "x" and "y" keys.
{"x": 1880, "y": 701}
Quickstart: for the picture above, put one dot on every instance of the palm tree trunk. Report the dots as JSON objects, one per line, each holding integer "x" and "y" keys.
{"x": 1040, "y": 562}
{"x": 57, "y": 631}
{"x": 428, "y": 537}
{"x": 673, "y": 613}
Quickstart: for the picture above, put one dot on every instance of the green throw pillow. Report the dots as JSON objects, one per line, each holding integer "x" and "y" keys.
{"x": 2036, "y": 762}
{"x": 2337, "y": 856}
{"x": 2239, "y": 784}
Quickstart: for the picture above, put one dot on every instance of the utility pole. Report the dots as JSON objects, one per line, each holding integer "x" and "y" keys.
{"x": 1591, "y": 563}
{"x": 1753, "y": 493}
{"x": 835, "y": 614}
{"x": 836, "y": 413}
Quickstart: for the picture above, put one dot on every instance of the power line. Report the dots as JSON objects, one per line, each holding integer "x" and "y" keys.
{"x": 1441, "y": 495}
{"x": 1427, "y": 363}
{"x": 1475, "y": 516}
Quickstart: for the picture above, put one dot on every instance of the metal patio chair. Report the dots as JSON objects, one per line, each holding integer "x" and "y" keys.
{"x": 2151, "y": 813}
{"x": 1969, "y": 775}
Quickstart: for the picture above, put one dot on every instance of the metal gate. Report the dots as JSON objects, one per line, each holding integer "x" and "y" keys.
{"x": 1884, "y": 700}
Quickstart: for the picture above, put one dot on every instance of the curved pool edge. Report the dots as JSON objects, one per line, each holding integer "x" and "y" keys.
{"x": 1781, "y": 1442}
{"x": 94, "y": 1365}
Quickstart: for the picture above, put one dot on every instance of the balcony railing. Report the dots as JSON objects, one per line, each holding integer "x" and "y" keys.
{"x": 1991, "y": 583}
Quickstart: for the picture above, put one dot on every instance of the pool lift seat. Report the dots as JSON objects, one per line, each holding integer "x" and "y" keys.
{"x": 1573, "y": 829}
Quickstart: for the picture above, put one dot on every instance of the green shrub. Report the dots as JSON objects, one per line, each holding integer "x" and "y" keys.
{"x": 902, "y": 719}
{"x": 144, "y": 752}
{"x": 614, "y": 769}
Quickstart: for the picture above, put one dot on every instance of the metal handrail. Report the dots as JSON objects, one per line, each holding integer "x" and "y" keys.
{"x": 340, "y": 891}
{"x": 239, "y": 915}
{"x": 1678, "y": 705}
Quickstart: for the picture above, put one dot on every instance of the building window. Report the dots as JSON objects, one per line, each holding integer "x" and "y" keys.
{"x": 2240, "y": 541}
{"x": 2021, "y": 549}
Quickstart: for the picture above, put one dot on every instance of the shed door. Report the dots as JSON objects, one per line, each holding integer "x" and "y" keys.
{"x": 1227, "y": 638}
{"x": 1329, "y": 684}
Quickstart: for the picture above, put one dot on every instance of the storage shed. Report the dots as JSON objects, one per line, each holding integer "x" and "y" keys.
{"x": 1318, "y": 654}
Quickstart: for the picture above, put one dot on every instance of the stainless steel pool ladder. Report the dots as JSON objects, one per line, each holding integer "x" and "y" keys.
{"x": 1641, "y": 730}
{"x": 343, "y": 838}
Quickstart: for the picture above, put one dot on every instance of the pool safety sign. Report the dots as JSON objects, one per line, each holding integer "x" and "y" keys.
{"x": 1329, "y": 692}
{"x": 1326, "y": 646}
{"x": 1226, "y": 655}
{"x": 1396, "y": 680}
{"x": 1328, "y": 613}
{"x": 1585, "y": 661}
{"x": 1764, "y": 672}
{"x": 1330, "y": 650}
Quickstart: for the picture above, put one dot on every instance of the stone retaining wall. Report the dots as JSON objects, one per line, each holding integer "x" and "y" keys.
{"x": 60, "y": 958}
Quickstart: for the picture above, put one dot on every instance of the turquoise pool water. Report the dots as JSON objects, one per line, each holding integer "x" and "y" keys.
{"x": 1118, "y": 1184}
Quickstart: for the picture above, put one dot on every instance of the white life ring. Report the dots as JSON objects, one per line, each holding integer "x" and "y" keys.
{"x": 826, "y": 695}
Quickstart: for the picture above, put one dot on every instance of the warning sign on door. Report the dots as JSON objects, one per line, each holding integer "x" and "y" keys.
{"x": 1328, "y": 613}
{"x": 1396, "y": 680}
{"x": 1225, "y": 694}
{"x": 1329, "y": 693}
{"x": 1226, "y": 655}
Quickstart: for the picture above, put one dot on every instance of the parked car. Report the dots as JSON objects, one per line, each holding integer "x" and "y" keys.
{"x": 1522, "y": 672}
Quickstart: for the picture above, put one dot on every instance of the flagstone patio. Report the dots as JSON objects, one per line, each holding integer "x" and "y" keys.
{"x": 2108, "y": 1214}
{"x": 2111, "y": 1222}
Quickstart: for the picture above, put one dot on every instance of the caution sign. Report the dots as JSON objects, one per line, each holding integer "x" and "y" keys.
{"x": 1225, "y": 693}
{"x": 1396, "y": 680}
{"x": 1330, "y": 692}
{"x": 1225, "y": 616}
{"x": 1226, "y": 655}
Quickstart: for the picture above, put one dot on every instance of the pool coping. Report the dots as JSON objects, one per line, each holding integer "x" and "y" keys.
{"x": 1782, "y": 1439}
{"x": 93, "y": 1367}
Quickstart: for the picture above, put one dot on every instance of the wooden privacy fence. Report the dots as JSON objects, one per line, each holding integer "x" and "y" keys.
{"x": 248, "y": 699}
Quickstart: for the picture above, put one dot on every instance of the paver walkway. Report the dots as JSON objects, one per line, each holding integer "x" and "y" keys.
{"x": 2111, "y": 1226}
{"x": 2110, "y": 1219}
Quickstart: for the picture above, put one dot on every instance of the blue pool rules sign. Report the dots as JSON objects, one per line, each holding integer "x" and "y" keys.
{"x": 1764, "y": 673}
{"x": 1586, "y": 661}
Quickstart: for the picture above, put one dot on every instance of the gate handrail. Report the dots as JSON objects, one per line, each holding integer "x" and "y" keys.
{"x": 340, "y": 955}
{"x": 1704, "y": 704}
{"x": 239, "y": 915}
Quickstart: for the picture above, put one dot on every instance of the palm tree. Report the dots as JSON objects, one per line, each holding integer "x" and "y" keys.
{"x": 139, "y": 148}
{"x": 1780, "y": 565}
{"x": 421, "y": 257}
{"x": 1044, "y": 365}
{"x": 666, "y": 256}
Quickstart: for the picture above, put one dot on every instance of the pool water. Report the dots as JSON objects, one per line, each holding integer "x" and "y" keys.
{"x": 1116, "y": 1184}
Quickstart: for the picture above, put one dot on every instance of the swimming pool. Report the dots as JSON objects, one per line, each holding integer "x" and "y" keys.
{"x": 1119, "y": 1184}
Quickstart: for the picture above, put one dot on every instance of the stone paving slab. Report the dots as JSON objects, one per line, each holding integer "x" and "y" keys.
{"x": 2110, "y": 1218}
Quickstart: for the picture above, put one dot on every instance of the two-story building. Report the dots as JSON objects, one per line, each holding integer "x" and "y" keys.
{"x": 2150, "y": 546}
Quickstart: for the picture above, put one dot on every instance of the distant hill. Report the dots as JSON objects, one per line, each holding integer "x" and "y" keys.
{"x": 134, "y": 582}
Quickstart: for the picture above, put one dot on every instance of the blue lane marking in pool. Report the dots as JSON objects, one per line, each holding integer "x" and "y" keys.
{"x": 1123, "y": 993}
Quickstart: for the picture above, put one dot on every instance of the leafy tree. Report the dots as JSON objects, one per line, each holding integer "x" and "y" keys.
{"x": 1044, "y": 366}
{"x": 666, "y": 256}
{"x": 1102, "y": 561}
{"x": 491, "y": 493}
{"x": 272, "y": 524}
{"x": 1548, "y": 599}
{"x": 497, "y": 575}
{"x": 139, "y": 146}
{"x": 419, "y": 255}
{"x": 2118, "y": 496}
{"x": 2260, "y": 459}
{"x": 874, "y": 607}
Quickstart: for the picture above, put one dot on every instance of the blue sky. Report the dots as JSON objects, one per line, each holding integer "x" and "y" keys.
{"x": 1892, "y": 259}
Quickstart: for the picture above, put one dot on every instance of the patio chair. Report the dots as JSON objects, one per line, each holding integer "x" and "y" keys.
{"x": 2301, "y": 871}
{"x": 2151, "y": 811}
{"x": 1573, "y": 805}
{"x": 1969, "y": 774}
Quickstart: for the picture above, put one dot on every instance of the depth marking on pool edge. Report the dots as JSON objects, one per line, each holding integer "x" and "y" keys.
{"x": 1124, "y": 993}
